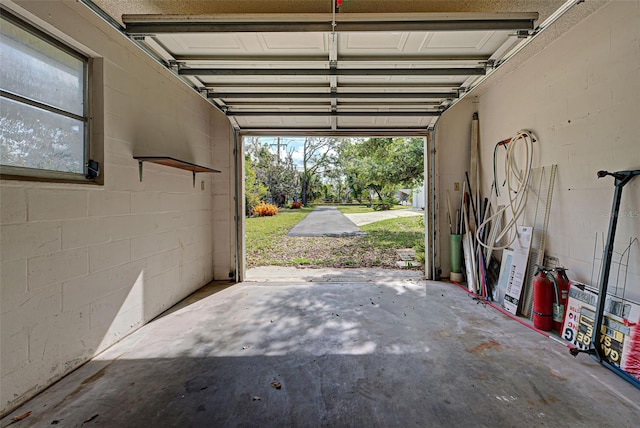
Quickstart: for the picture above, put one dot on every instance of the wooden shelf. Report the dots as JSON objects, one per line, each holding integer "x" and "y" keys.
{"x": 174, "y": 163}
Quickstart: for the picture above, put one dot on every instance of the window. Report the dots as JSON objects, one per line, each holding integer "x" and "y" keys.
{"x": 43, "y": 103}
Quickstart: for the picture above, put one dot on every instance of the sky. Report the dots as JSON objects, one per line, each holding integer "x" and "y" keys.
{"x": 289, "y": 143}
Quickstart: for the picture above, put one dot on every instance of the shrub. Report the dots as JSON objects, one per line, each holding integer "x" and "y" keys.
{"x": 296, "y": 205}
{"x": 381, "y": 207}
{"x": 384, "y": 204}
{"x": 264, "y": 209}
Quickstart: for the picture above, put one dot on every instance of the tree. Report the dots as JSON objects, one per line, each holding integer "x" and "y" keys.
{"x": 349, "y": 166}
{"x": 317, "y": 155}
{"x": 279, "y": 176}
{"x": 385, "y": 164}
{"x": 254, "y": 190}
{"x": 335, "y": 181}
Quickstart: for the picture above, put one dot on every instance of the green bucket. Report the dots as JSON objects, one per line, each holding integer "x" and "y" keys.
{"x": 455, "y": 245}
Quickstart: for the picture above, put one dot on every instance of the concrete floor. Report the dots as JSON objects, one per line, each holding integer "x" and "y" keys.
{"x": 371, "y": 352}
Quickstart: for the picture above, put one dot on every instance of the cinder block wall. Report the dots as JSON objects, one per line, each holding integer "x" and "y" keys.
{"x": 84, "y": 265}
{"x": 580, "y": 97}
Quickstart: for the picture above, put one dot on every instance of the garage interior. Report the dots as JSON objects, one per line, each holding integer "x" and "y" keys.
{"x": 86, "y": 266}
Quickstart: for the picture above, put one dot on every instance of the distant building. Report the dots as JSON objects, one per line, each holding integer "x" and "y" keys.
{"x": 418, "y": 198}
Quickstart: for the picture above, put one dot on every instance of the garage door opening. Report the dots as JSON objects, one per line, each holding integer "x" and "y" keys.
{"x": 334, "y": 202}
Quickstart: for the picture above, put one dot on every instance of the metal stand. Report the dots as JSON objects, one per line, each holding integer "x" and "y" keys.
{"x": 622, "y": 178}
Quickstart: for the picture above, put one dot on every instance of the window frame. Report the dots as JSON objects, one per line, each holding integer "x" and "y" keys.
{"x": 11, "y": 172}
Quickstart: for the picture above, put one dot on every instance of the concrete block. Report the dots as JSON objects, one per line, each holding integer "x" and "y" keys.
{"x": 83, "y": 232}
{"x": 14, "y": 351}
{"x": 108, "y": 255}
{"x": 30, "y": 239}
{"x": 145, "y": 202}
{"x": 202, "y": 200}
{"x": 40, "y": 305}
{"x": 190, "y": 252}
{"x": 120, "y": 177}
{"x": 171, "y": 180}
{"x": 146, "y": 246}
{"x": 221, "y": 271}
{"x": 129, "y": 226}
{"x": 13, "y": 205}
{"x": 118, "y": 313}
{"x": 13, "y": 280}
{"x": 60, "y": 344}
{"x": 116, "y": 126}
{"x": 57, "y": 267}
{"x": 125, "y": 276}
{"x": 176, "y": 201}
{"x": 406, "y": 254}
{"x": 56, "y": 204}
{"x": 81, "y": 291}
{"x": 107, "y": 203}
{"x": 118, "y": 153}
{"x": 162, "y": 262}
{"x": 167, "y": 221}
{"x": 408, "y": 264}
{"x": 192, "y": 279}
{"x": 189, "y": 235}
{"x": 198, "y": 217}
{"x": 29, "y": 378}
{"x": 156, "y": 295}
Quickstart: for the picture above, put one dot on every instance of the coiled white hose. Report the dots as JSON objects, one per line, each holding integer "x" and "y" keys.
{"x": 517, "y": 179}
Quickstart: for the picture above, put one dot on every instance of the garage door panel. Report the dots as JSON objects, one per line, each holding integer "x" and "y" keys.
{"x": 407, "y": 121}
{"x": 244, "y": 43}
{"x": 401, "y": 66}
{"x": 302, "y": 43}
{"x": 202, "y": 44}
{"x": 357, "y": 42}
{"x": 293, "y": 80}
{"x": 453, "y": 80}
{"x": 260, "y": 121}
{"x": 464, "y": 42}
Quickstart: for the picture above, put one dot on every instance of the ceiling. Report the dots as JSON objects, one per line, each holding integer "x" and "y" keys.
{"x": 315, "y": 67}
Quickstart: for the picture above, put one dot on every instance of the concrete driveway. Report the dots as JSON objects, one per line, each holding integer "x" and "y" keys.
{"x": 329, "y": 221}
{"x": 325, "y": 221}
{"x": 366, "y": 218}
{"x": 377, "y": 353}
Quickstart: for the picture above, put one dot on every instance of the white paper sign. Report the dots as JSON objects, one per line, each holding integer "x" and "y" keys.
{"x": 518, "y": 268}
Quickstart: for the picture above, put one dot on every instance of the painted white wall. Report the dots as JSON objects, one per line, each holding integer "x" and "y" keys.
{"x": 580, "y": 96}
{"x": 84, "y": 265}
{"x": 453, "y": 138}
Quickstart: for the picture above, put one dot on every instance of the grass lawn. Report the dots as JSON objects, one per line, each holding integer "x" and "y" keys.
{"x": 263, "y": 233}
{"x": 268, "y": 245}
{"x": 359, "y": 209}
{"x": 394, "y": 233}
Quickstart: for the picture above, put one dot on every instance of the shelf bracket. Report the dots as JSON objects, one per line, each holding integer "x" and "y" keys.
{"x": 174, "y": 163}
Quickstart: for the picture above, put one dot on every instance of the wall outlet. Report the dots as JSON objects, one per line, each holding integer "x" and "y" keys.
{"x": 456, "y": 187}
{"x": 202, "y": 186}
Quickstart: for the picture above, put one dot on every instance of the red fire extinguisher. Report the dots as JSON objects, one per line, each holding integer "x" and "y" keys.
{"x": 560, "y": 310}
{"x": 542, "y": 301}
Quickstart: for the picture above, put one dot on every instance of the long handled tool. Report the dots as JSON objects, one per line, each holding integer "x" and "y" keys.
{"x": 469, "y": 253}
{"x": 449, "y": 212}
{"x": 622, "y": 178}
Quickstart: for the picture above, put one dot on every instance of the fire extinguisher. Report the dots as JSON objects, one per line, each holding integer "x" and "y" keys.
{"x": 542, "y": 300}
{"x": 562, "y": 283}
